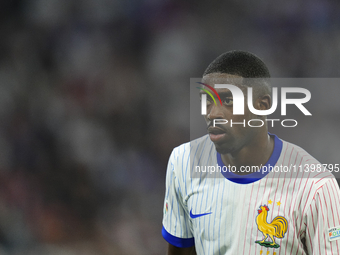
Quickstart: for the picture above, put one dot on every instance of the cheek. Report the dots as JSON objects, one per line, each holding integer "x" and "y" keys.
{"x": 248, "y": 115}
{"x": 207, "y": 122}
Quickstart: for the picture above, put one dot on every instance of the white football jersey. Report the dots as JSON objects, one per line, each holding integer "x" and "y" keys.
{"x": 291, "y": 209}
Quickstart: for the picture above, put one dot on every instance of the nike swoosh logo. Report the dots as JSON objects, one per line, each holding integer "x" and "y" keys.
{"x": 193, "y": 216}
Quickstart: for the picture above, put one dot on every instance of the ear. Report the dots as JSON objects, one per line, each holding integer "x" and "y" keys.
{"x": 264, "y": 102}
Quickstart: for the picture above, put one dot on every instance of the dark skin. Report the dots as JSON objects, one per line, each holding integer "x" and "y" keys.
{"x": 238, "y": 145}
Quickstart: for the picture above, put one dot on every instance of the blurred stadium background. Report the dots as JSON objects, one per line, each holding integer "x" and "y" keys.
{"x": 94, "y": 96}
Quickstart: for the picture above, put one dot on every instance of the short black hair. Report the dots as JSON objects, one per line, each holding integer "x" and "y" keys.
{"x": 240, "y": 63}
{"x": 246, "y": 65}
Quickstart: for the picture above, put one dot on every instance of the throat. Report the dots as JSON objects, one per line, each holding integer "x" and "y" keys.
{"x": 252, "y": 156}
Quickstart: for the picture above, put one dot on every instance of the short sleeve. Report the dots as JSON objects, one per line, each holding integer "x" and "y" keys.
{"x": 176, "y": 223}
{"x": 323, "y": 220}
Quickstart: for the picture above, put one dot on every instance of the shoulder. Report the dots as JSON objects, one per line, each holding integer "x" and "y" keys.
{"x": 294, "y": 155}
{"x": 312, "y": 173}
{"x": 192, "y": 147}
{"x": 184, "y": 155}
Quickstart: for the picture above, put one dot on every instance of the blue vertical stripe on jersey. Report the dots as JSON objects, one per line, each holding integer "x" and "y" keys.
{"x": 232, "y": 216}
{"x": 172, "y": 170}
{"x": 191, "y": 170}
{"x": 199, "y": 159}
{"x": 172, "y": 203}
{"x": 178, "y": 207}
{"x": 186, "y": 171}
{"x": 203, "y": 149}
{"x": 199, "y": 222}
{"x": 185, "y": 218}
{"x": 218, "y": 189}
{"x": 205, "y": 208}
{"x": 212, "y": 196}
{"x": 219, "y": 226}
{"x": 171, "y": 174}
{"x": 183, "y": 169}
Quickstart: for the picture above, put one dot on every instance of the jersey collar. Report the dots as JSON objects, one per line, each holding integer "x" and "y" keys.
{"x": 253, "y": 177}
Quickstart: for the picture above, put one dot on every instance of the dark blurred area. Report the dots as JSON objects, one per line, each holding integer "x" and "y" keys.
{"x": 94, "y": 96}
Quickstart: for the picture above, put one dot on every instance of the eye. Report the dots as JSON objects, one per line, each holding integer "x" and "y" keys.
{"x": 228, "y": 101}
{"x": 209, "y": 101}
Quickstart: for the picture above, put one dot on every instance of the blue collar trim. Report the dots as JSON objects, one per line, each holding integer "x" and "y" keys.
{"x": 253, "y": 177}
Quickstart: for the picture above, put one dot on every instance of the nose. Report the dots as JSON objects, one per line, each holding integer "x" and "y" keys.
{"x": 215, "y": 112}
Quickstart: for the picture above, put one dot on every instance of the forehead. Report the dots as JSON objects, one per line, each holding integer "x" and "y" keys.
{"x": 223, "y": 78}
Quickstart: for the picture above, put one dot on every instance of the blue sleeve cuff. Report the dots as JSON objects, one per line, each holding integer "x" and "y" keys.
{"x": 176, "y": 241}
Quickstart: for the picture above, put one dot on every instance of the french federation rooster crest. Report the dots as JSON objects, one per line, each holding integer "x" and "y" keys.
{"x": 277, "y": 228}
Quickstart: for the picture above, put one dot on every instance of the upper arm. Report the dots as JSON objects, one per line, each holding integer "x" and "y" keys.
{"x": 176, "y": 221}
{"x": 173, "y": 250}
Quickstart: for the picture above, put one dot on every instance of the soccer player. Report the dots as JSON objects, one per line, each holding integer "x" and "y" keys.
{"x": 284, "y": 208}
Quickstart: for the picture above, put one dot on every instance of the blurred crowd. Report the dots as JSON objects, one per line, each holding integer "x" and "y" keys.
{"x": 94, "y": 96}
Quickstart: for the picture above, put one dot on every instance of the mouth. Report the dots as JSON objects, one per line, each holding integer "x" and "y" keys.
{"x": 216, "y": 134}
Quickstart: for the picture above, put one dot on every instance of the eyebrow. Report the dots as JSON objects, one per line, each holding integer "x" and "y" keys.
{"x": 221, "y": 94}
{"x": 225, "y": 94}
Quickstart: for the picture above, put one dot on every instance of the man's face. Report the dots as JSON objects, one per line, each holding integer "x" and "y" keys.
{"x": 226, "y": 137}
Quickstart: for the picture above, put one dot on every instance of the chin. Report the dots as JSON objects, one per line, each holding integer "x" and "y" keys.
{"x": 222, "y": 149}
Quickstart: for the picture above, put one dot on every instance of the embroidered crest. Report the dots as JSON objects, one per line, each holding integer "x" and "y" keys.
{"x": 334, "y": 233}
{"x": 277, "y": 228}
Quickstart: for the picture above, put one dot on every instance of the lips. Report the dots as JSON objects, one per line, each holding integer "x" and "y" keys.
{"x": 216, "y": 133}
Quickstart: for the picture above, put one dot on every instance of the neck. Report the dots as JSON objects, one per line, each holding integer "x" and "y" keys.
{"x": 255, "y": 153}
